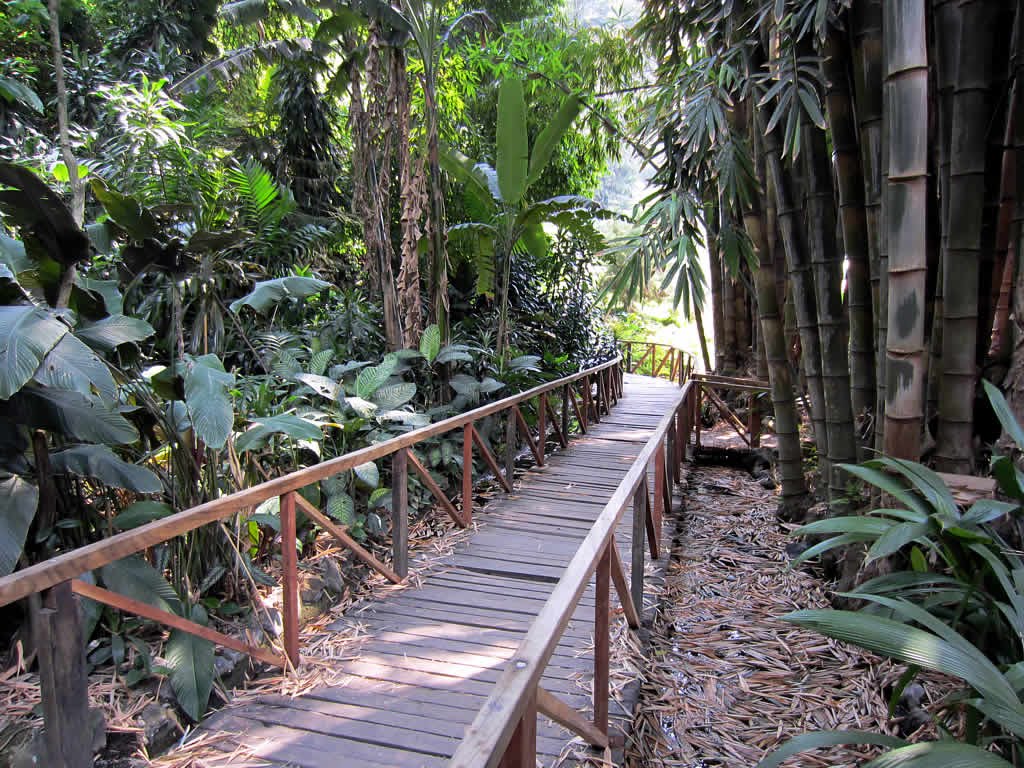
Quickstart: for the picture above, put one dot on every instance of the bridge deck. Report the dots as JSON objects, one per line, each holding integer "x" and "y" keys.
{"x": 428, "y": 656}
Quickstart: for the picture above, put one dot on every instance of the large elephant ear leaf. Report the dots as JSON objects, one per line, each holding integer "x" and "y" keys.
{"x": 392, "y": 396}
{"x": 83, "y": 418}
{"x": 27, "y": 334}
{"x": 18, "y": 502}
{"x": 101, "y": 463}
{"x": 127, "y": 212}
{"x": 111, "y": 332}
{"x": 430, "y": 342}
{"x": 191, "y": 661}
{"x": 552, "y": 134}
{"x": 135, "y": 578}
{"x": 208, "y": 399}
{"x": 45, "y": 221}
{"x": 73, "y": 365}
{"x": 513, "y": 152}
{"x": 371, "y": 379}
{"x": 268, "y": 294}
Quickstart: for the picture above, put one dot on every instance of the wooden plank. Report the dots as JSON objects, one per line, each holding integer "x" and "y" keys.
{"x": 63, "y": 683}
{"x": 602, "y": 641}
{"x": 637, "y": 546}
{"x": 172, "y": 620}
{"x": 728, "y": 415}
{"x": 555, "y": 424}
{"x": 521, "y": 751}
{"x": 341, "y": 534}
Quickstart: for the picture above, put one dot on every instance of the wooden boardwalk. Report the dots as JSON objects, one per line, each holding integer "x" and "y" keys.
{"x": 429, "y": 655}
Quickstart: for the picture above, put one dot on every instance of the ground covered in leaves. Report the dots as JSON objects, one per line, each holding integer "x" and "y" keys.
{"x": 728, "y": 681}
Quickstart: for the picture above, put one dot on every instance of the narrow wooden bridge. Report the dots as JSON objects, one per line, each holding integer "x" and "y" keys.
{"x": 513, "y": 624}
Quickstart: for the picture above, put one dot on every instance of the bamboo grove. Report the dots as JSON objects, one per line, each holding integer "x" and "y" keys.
{"x": 854, "y": 166}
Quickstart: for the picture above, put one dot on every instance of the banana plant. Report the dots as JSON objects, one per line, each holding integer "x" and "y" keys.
{"x": 510, "y": 222}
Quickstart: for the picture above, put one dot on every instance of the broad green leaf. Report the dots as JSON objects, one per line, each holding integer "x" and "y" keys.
{"x": 405, "y": 417}
{"x": 897, "y": 537}
{"x": 370, "y": 379}
{"x": 15, "y": 92}
{"x": 451, "y": 353}
{"x": 546, "y": 143}
{"x": 808, "y": 741}
{"x": 392, "y": 396}
{"x": 363, "y": 408}
{"x": 288, "y": 424}
{"x": 318, "y": 363}
{"x": 268, "y": 294}
{"x": 140, "y": 513}
{"x": 101, "y": 463}
{"x": 367, "y": 475}
{"x": 73, "y": 365}
{"x": 986, "y": 510}
{"x": 462, "y": 169}
{"x": 12, "y": 253}
{"x": 71, "y": 413}
{"x": 127, "y": 212}
{"x": 208, "y": 399}
{"x": 939, "y": 754}
{"x": 341, "y": 507}
{"x": 322, "y": 385}
{"x": 824, "y": 546}
{"x": 18, "y": 502}
{"x": 430, "y": 342}
{"x": 511, "y": 139}
{"x": 869, "y": 474}
{"x": 111, "y": 332}
{"x": 191, "y": 661}
{"x": 27, "y": 334}
{"x": 909, "y": 645}
{"x": 135, "y": 578}
{"x": 871, "y": 526}
{"x": 1009, "y": 478}
{"x": 464, "y": 384}
{"x": 1003, "y": 413}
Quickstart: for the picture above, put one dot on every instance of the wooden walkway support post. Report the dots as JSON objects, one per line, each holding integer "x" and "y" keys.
{"x": 64, "y": 686}
{"x": 542, "y": 423}
{"x": 400, "y": 512}
{"x": 511, "y": 446}
{"x": 521, "y": 751}
{"x": 290, "y": 579}
{"x": 602, "y": 640}
{"x": 467, "y": 474}
{"x": 636, "y": 566}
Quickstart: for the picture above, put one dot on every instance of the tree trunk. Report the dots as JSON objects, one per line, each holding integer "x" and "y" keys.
{"x": 787, "y": 422}
{"x": 715, "y": 267}
{"x": 729, "y": 354}
{"x": 1002, "y": 273}
{"x": 868, "y": 64}
{"x": 970, "y": 120}
{"x": 906, "y": 223}
{"x": 826, "y": 266}
{"x": 801, "y": 284}
{"x": 67, "y": 279}
{"x": 435, "y": 218}
{"x": 850, "y": 186}
{"x": 413, "y": 202}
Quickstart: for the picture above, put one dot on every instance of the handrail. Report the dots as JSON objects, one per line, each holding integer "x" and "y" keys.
{"x": 504, "y": 730}
{"x": 70, "y": 565}
{"x": 680, "y": 362}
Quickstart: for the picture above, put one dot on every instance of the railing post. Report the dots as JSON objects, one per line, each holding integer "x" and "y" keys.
{"x": 511, "y": 443}
{"x": 542, "y": 422}
{"x": 697, "y": 403}
{"x": 754, "y": 422}
{"x": 629, "y": 356}
{"x": 467, "y": 473}
{"x": 586, "y": 399}
{"x": 636, "y": 566}
{"x": 400, "y": 512}
{"x": 521, "y": 751}
{"x": 290, "y": 576}
{"x": 64, "y": 686}
{"x": 565, "y": 412}
{"x": 602, "y": 639}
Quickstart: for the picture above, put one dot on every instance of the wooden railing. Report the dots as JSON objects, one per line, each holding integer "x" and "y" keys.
{"x": 658, "y": 360}
{"x": 707, "y": 384}
{"x": 505, "y": 729}
{"x": 50, "y": 585}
